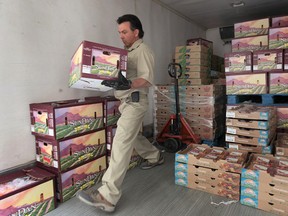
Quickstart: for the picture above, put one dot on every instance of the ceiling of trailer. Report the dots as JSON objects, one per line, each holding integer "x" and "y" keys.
{"x": 221, "y": 13}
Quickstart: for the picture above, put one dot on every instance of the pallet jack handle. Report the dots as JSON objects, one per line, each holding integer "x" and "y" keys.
{"x": 175, "y": 71}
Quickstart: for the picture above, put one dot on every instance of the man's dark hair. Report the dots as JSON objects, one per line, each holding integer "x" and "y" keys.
{"x": 134, "y": 22}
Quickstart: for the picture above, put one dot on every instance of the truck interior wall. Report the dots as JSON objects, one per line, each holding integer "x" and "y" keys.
{"x": 38, "y": 39}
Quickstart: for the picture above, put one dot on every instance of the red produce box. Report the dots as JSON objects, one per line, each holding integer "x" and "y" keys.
{"x": 62, "y": 119}
{"x": 93, "y": 62}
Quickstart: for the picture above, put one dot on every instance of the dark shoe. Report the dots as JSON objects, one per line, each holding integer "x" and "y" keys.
{"x": 148, "y": 165}
{"x": 95, "y": 199}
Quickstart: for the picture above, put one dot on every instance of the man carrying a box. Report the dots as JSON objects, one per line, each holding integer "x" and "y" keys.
{"x": 134, "y": 105}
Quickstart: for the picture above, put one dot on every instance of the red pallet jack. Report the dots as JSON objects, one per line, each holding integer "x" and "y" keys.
{"x": 177, "y": 133}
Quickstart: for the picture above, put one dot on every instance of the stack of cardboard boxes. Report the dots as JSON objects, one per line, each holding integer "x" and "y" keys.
{"x": 258, "y": 63}
{"x": 201, "y": 105}
{"x": 70, "y": 141}
{"x": 195, "y": 60}
{"x": 213, "y": 170}
{"x": 251, "y": 128}
{"x": 264, "y": 182}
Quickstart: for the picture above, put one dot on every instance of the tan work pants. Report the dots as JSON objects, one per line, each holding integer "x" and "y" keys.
{"x": 127, "y": 137}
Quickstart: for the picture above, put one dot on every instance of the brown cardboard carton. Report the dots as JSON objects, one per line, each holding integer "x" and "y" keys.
{"x": 252, "y": 148}
{"x": 195, "y": 42}
{"x": 251, "y": 132}
{"x": 247, "y": 140}
{"x": 250, "y": 112}
{"x": 256, "y": 124}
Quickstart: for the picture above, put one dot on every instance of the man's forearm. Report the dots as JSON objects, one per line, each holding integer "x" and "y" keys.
{"x": 140, "y": 83}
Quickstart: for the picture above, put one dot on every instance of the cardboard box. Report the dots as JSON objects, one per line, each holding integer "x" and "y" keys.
{"x": 195, "y": 75}
{"x": 251, "y": 28}
{"x": 80, "y": 178}
{"x": 250, "y": 112}
{"x": 245, "y": 123}
{"x": 251, "y": 132}
{"x": 195, "y": 42}
{"x": 196, "y": 81}
{"x": 196, "y": 68}
{"x": 247, "y": 140}
{"x": 252, "y": 149}
{"x": 110, "y": 133}
{"x": 281, "y": 145}
{"x": 111, "y": 109}
{"x": 278, "y": 38}
{"x": 278, "y": 83}
{"x": 36, "y": 197}
{"x": 220, "y": 175}
{"x": 285, "y": 60}
{"x": 93, "y": 62}
{"x": 203, "y": 48}
{"x": 205, "y": 110}
{"x": 280, "y": 21}
{"x": 238, "y": 62}
{"x": 205, "y": 90}
{"x": 270, "y": 60}
{"x": 282, "y": 117}
{"x": 197, "y": 62}
{"x": 72, "y": 152}
{"x": 246, "y": 84}
{"x": 186, "y": 157}
{"x": 63, "y": 119}
{"x": 250, "y": 43}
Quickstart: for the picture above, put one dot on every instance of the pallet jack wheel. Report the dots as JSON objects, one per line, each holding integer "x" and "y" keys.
{"x": 172, "y": 145}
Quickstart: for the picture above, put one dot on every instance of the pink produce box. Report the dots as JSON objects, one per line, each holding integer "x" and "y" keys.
{"x": 268, "y": 60}
{"x": 251, "y": 28}
{"x": 62, "y": 119}
{"x": 29, "y": 191}
{"x": 278, "y": 83}
{"x": 238, "y": 62}
{"x": 281, "y": 21}
{"x": 282, "y": 117}
{"x": 93, "y": 62}
{"x": 278, "y": 38}
{"x": 250, "y": 43}
{"x": 255, "y": 83}
{"x": 70, "y": 153}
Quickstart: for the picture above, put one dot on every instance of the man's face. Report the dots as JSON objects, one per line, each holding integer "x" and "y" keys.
{"x": 127, "y": 36}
